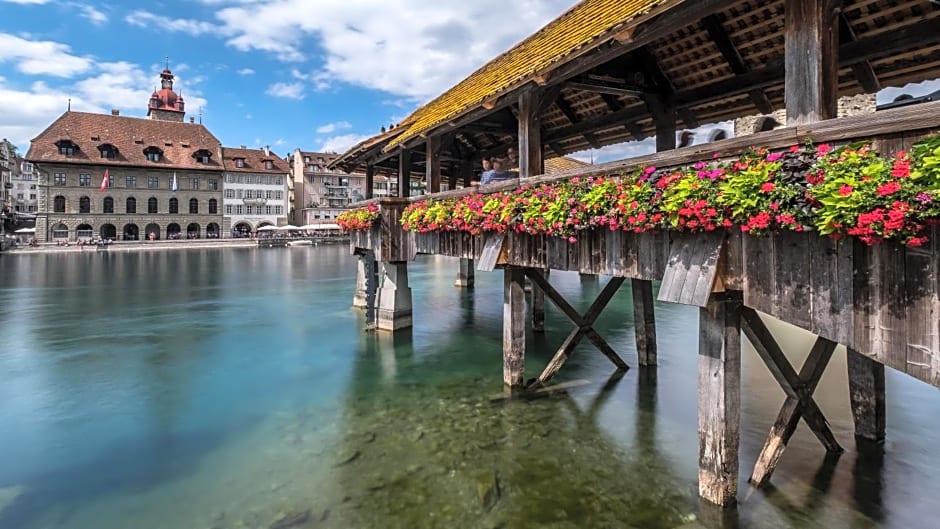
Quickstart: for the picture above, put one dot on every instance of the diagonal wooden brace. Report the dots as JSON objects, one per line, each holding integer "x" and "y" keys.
{"x": 585, "y": 324}
{"x": 799, "y": 389}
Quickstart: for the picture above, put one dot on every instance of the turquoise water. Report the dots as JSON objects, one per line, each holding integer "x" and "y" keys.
{"x": 235, "y": 389}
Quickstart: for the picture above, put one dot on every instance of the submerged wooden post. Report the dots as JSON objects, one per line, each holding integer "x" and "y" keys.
{"x": 465, "y": 271}
{"x": 513, "y": 327}
{"x": 394, "y": 298}
{"x": 644, "y": 322}
{"x": 867, "y": 396}
{"x": 719, "y": 398}
{"x": 811, "y": 47}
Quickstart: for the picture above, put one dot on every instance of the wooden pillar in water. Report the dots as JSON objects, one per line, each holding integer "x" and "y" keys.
{"x": 513, "y": 327}
{"x": 811, "y": 30}
{"x": 532, "y": 163}
{"x": 719, "y": 398}
{"x": 465, "y": 277}
{"x": 370, "y": 181}
{"x": 433, "y": 164}
{"x": 404, "y": 173}
{"x": 867, "y": 396}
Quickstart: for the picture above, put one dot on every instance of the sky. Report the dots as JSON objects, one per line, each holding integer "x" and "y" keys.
{"x": 317, "y": 75}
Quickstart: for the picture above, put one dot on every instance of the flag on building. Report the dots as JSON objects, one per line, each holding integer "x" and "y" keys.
{"x": 106, "y": 181}
{"x": 174, "y": 185}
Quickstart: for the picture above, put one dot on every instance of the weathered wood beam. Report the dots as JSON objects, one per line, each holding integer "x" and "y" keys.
{"x": 513, "y": 327}
{"x": 432, "y": 168}
{"x": 863, "y": 71}
{"x": 404, "y": 173}
{"x": 530, "y": 135}
{"x": 370, "y": 180}
{"x": 867, "y": 396}
{"x": 791, "y": 382}
{"x": 811, "y": 56}
{"x": 556, "y": 148}
{"x": 729, "y": 51}
{"x": 567, "y": 111}
{"x": 719, "y": 399}
{"x": 644, "y": 322}
{"x": 612, "y": 102}
{"x": 601, "y": 88}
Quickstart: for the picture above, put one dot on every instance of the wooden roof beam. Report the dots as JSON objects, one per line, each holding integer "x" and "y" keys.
{"x": 604, "y": 88}
{"x": 572, "y": 117}
{"x": 863, "y": 71}
{"x": 732, "y": 56}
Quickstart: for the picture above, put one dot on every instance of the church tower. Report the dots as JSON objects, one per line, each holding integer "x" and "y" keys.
{"x": 165, "y": 104}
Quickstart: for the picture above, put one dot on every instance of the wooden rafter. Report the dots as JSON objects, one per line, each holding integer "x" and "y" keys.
{"x": 572, "y": 117}
{"x": 729, "y": 51}
{"x": 584, "y": 324}
{"x": 864, "y": 73}
{"x": 604, "y": 88}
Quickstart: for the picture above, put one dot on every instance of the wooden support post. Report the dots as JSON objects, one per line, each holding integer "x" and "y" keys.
{"x": 719, "y": 399}
{"x": 513, "y": 327}
{"x": 867, "y": 396}
{"x": 370, "y": 181}
{"x": 394, "y": 298}
{"x": 644, "y": 322}
{"x": 530, "y": 135}
{"x": 452, "y": 176}
{"x": 432, "y": 166}
{"x": 665, "y": 128}
{"x": 465, "y": 271}
{"x": 466, "y": 170}
{"x": 811, "y": 29}
{"x": 404, "y": 173}
{"x": 584, "y": 324}
{"x": 799, "y": 389}
{"x": 538, "y": 307}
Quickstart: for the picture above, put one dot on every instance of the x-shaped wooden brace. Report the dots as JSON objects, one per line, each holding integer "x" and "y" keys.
{"x": 585, "y": 324}
{"x": 799, "y": 389}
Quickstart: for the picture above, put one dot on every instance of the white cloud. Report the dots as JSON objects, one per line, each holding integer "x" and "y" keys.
{"x": 330, "y": 128}
{"x": 341, "y": 143}
{"x": 146, "y": 19}
{"x": 287, "y": 90}
{"x": 363, "y": 42}
{"x": 91, "y": 13}
{"x": 246, "y": 71}
{"x": 36, "y": 57}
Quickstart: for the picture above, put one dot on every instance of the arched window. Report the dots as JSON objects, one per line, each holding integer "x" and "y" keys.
{"x": 58, "y": 204}
{"x": 174, "y": 205}
{"x": 153, "y": 154}
{"x": 108, "y": 205}
{"x": 213, "y": 206}
{"x": 718, "y": 134}
{"x": 194, "y": 205}
{"x": 152, "y": 205}
{"x": 131, "y": 206}
{"x": 84, "y": 205}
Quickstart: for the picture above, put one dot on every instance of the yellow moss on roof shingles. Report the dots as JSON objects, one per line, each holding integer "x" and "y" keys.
{"x": 578, "y": 26}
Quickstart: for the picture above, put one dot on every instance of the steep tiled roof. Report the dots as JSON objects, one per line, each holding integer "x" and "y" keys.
{"x": 561, "y": 38}
{"x": 563, "y": 163}
{"x": 254, "y": 161}
{"x": 178, "y": 141}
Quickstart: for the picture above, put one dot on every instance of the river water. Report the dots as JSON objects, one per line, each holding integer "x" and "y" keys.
{"x": 235, "y": 388}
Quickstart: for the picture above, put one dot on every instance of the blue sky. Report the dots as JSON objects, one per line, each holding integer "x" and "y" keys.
{"x": 309, "y": 74}
{"x": 318, "y": 75}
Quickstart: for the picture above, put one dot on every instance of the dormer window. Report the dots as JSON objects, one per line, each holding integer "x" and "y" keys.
{"x": 66, "y": 147}
{"x": 108, "y": 151}
{"x": 239, "y": 162}
{"x": 153, "y": 154}
{"x": 269, "y": 164}
{"x": 202, "y": 156}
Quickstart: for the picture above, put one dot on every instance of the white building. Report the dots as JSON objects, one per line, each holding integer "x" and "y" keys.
{"x": 24, "y": 195}
{"x": 255, "y": 192}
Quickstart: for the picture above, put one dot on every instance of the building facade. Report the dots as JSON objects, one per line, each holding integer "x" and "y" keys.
{"x": 255, "y": 190}
{"x": 321, "y": 193}
{"x": 164, "y": 176}
{"x": 25, "y": 191}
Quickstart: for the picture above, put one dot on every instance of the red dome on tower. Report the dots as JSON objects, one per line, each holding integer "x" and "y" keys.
{"x": 165, "y": 103}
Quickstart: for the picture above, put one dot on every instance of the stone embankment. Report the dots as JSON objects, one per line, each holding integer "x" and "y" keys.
{"x": 134, "y": 246}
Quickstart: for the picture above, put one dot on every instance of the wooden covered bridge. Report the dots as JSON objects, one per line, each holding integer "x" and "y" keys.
{"x": 609, "y": 71}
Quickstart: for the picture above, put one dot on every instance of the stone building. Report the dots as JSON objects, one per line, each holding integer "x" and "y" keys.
{"x": 25, "y": 192}
{"x": 255, "y": 190}
{"x": 321, "y": 193}
{"x": 848, "y": 106}
{"x": 165, "y": 175}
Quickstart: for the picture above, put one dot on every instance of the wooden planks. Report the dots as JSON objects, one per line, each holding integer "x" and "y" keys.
{"x": 513, "y": 327}
{"x": 811, "y": 51}
{"x": 492, "y": 247}
{"x": 692, "y": 267}
{"x": 867, "y": 396}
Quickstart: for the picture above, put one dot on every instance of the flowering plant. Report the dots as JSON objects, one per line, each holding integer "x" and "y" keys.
{"x": 358, "y": 219}
{"x": 848, "y": 191}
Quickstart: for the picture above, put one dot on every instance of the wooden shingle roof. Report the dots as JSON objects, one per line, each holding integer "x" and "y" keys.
{"x": 560, "y": 39}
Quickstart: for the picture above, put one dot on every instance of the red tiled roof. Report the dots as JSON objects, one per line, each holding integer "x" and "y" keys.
{"x": 254, "y": 161}
{"x": 131, "y": 136}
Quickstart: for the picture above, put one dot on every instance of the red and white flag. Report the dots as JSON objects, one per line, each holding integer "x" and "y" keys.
{"x": 105, "y": 181}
